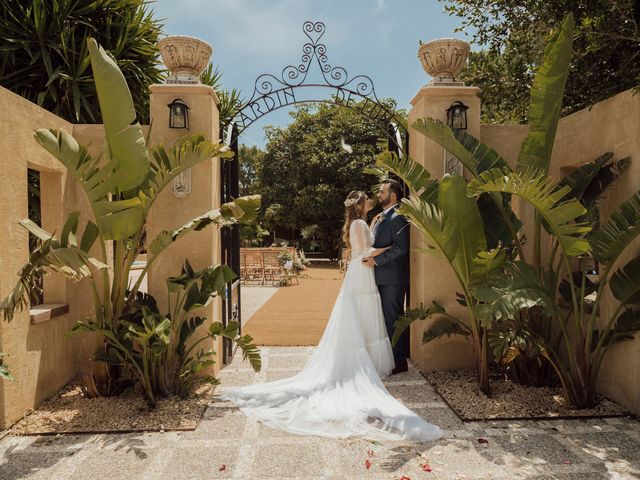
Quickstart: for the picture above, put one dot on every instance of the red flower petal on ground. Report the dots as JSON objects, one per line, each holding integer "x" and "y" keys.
{"x": 367, "y": 464}
{"x": 483, "y": 440}
{"x": 222, "y": 468}
{"x": 426, "y": 467}
{"x": 566, "y": 462}
{"x": 404, "y": 477}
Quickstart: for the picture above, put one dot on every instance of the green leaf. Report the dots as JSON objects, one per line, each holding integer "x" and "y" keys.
{"x": 116, "y": 219}
{"x": 242, "y": 209}
{"x": 127, "y": 147}
{"x": 49, "y": 256}
{"x": 625, "y": 283}
{"x": 508, "y": 291}
{"x": 444, "y": 326}
{"x": 89, "y": 236}
{"x": 546, "y": 99}
{"x": 439, "y": 235}
{"x": 546, "y": 197}
{"x": 474, "y": 155}
{"x": 184, "y": 153}
{"x": 622, "y": 228}
{"x": 484, "y": 263}
{"x": 412, "y": 315}
{"x": 412, "y": 173}
{"x": 463, "y": 213}
{"x": 625, "y": 327}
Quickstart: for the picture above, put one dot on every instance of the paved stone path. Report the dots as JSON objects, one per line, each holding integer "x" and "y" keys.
{"x": 228, "y": 445}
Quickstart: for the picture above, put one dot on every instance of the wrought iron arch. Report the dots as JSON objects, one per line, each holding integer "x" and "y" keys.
{"x": 272, "y": 92}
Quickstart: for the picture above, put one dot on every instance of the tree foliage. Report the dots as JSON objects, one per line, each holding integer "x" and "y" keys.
{"x": 44, "y": 55}
{"x": 606, "y": 50}
{"x": 308, "y": 170}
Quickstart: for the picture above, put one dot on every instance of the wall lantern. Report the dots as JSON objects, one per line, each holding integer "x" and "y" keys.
{"x": 457, "y": 120}
{"x": 178, "y": 114}
{"x": 457, "y": 115}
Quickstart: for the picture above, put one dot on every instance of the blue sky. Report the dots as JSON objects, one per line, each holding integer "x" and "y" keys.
{"x": 378, "y": 38}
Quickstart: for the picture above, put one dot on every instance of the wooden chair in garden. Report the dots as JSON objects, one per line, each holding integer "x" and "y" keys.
{"x": 254, "y": 268}
{"x": 273, "y": 271}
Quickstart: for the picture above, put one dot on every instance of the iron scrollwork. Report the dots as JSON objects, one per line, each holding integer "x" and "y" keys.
{"x": 272, "y": 92}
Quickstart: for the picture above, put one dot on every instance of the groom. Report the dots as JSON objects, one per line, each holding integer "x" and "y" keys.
{"x": 392, "y": 266}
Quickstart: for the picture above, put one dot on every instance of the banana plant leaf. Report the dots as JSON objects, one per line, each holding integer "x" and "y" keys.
{"x": 546, "y": 197}
{"x": 116, "y": 219}
{"x": 242, "y": 209}
{"x": 51, "y": 255}
{"x": 546, "y": 99}
{"x": 444, "y": 326}
{"x": 412, "y": 173}
{"x": 474, "y": 155}
{"x": 625, "y": 283}
{"x": 412, "y": 315}
{"x": 125, "y": 140}
{"x": 484, "y": 263}
{"x": 463, "y": 214}
{"x": 617, "y": 233}
{"x": 438, "y": 234}
{"x": 510, "y": 290}
{"x": 625, "y": 327}
{"x": 184, "y": 153}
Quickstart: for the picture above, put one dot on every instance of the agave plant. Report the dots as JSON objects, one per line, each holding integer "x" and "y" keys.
{"x": 121, "y": 188}
{"x": 526, "y": 288}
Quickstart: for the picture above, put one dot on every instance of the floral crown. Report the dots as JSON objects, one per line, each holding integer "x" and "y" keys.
{"x": 350, "y": 202}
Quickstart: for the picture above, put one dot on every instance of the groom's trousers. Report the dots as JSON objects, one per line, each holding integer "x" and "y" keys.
{"x": 392, "y": 297}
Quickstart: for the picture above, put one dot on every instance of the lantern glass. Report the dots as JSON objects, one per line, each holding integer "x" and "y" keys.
{"x": 178, "y": 114}
{"x": 457, "y": 116}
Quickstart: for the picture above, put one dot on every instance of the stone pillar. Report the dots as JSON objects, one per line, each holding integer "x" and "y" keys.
{"x": 169, "y": 211}
{"x": 431, "y": 278}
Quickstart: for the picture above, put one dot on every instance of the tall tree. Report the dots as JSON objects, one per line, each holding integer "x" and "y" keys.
{"x": 514, "y": 33}
{"x": 310, "y": 166}
{"x": 44, "y": 56}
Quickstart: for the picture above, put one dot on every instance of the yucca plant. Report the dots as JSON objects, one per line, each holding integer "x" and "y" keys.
{"x": 44, "y": 56}
{"x": 526, "y": 288}
{"x": 121, "y": 188}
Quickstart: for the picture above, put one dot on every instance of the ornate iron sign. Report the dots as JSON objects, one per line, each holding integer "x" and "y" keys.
{"x": 272, "y": 92}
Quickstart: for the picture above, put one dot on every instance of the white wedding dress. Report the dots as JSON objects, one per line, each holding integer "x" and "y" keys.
{"x": 339, "y": 393}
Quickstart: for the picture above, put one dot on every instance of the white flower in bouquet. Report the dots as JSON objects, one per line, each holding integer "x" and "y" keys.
{"x": 288, "y": 265}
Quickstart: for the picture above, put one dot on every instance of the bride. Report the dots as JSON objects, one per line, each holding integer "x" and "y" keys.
{"x": 339, "y": 392}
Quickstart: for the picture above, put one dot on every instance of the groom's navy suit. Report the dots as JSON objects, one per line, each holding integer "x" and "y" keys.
{"x": 392, "y": 275}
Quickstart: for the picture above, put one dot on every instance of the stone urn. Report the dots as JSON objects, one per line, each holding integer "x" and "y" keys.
{"x": 443, "y": 58}
{"x": 185, "y": 57}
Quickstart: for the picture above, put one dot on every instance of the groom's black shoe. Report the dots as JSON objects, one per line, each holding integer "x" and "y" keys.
{"x": 403, "y": 367}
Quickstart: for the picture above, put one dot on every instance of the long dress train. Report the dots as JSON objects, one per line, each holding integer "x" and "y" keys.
{"x": 339, "y": 392}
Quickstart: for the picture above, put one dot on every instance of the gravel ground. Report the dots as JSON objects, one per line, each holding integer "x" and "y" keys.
{"x": 71, "y": 412}
{"x": 510, "y": 400}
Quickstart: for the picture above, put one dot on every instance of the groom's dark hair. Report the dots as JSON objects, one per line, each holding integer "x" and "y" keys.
{"x": 395, "y": 187}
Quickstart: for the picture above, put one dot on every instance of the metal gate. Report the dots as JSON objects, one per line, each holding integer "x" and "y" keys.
{"x": 274, "y": 91}
{"x": 230, "y": 236}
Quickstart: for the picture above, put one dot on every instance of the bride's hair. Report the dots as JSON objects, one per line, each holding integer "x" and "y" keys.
{"x": 354, "y": 210}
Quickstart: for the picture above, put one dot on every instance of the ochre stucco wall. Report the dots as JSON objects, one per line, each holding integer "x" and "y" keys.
{"x": 41, "y": 359}
{"x": 611, "y": 125}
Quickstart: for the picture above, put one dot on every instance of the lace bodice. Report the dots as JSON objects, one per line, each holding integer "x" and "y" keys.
{"x": 360, "y": 237}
